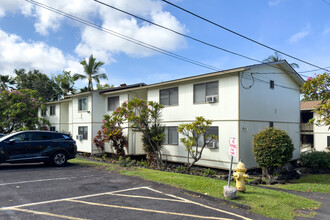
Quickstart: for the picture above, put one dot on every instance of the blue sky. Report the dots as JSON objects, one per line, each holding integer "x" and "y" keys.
{"x": 35, "y": 38}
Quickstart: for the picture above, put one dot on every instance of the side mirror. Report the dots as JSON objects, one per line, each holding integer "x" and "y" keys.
{"x": 11, "y": 141}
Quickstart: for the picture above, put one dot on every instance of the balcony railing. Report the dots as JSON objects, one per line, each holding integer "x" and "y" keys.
{"x": 305, "y": 127}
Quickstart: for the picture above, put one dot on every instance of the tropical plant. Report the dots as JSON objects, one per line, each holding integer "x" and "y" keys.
{"x": 45, "y": 86}
{"x": 114, "y": 133}
{"x": 99, "y": 140}
{"x": 318, "y": 88}
{"x": 277, "y": 57}
{"x": 66, "y": 82}
{"x": 144, "y": 117}
{"x": 104, "y": 86}
{"x": 193, "y": 133}
{"x": 91, "y": 70}
{"x": 6, "y": 80}
{"x": 272, "y": 148}
{"x": 19, "y": 110}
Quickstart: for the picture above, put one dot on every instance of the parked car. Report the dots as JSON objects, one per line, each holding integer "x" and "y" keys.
{"x": 1, "y": 135}
{"x": 37, "y": 146}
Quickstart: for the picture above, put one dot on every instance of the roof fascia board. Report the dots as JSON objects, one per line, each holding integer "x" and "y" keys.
{"x": 60, "y": 101}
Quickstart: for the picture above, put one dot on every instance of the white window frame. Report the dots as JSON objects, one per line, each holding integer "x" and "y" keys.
{"x": 167, "y": 135}
{"x": 83, "y": 131}
{"x": 43, "y": 112}
{"x": 52, "y": 110}
{"x": 80, "y": 104}
{"x": 205, "y": 92}
{"x": 109, "y": 100}
{"x": 170, "y": 100}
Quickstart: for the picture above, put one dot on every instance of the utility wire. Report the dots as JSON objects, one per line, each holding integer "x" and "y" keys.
{"x": 106, "y": 30}
{"x": 326, "y": 2}
{"x": 176, "y": 32}
{"x": 131, "y": 39}
{"x": 307, "y": 71}
{"x": 247, "y": 38}
{"x": 190, "y": 37}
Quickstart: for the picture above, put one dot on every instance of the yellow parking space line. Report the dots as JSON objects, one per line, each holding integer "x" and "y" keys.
{"x": 47, "y": 214}
{"x": 202, "y": 205}
{"x": 148, "y": 210}
{"x": 148, "y": 197}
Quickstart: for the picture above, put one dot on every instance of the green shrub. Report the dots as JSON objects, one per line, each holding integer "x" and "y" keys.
{"x": 142, "y": 163}
{"x": 126, "y": 162}
{"x": 272, "y": 148}
{"x": 181, "y": 168}
{"x": 316, "y": 160}
{"x": 209, "y": 172}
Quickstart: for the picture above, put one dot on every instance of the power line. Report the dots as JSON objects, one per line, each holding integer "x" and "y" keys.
{"x": 307, "y": 71}
{"x": 254, "y": 79}
{"x": 247, "y": 38}
{"x": 132, "y": 40}
{"x": 125, "y": 37}
{"x": 326, "y": 2}
{"x": 190, "y": 37}
{"x": 176, "y": 32}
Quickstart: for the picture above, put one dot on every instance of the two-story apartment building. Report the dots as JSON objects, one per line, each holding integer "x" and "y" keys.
{"x": 313, "y": 137}
{"x": 239, "y": 101}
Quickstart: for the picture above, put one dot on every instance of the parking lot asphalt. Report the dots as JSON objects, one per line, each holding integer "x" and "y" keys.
{"x": 37, "y": 191}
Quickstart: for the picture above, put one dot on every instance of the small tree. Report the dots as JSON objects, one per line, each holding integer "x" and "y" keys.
{"x": 272, "y": 148}
{"x": 114, "y": 133}
{"x": 19, "y": 110}
{"x": 318, "y": 88}
{"x": 144, "y": 117}
{"x": 99, "y": 141}
{"x": 193, "y": 133}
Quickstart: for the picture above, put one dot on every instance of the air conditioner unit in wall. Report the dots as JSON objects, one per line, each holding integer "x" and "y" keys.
{"x": 213, "y": 145}
{"x": 211, "y": 98}
{"x": 79, "y": 137}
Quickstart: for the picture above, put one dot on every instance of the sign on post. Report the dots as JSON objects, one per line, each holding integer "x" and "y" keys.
{"x": 232, "y": 153}
{"x": 233, "y": 147}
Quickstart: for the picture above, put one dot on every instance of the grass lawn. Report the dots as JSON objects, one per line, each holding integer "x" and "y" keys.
{"x": 311, "y": 183}
{"x": 262, "y": 201}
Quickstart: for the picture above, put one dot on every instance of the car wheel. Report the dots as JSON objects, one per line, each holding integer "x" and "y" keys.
{"x": 59, "y": 159}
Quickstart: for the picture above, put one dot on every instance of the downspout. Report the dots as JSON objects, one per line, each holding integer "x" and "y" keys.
{"x": 91, "y": 118}
{"x": 239, "y": 116}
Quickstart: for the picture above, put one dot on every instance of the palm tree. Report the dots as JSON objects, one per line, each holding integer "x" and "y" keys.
{"x": 277, "y": 57}
{"x": 4, "y": 80}
{"x": 91, "y": 69}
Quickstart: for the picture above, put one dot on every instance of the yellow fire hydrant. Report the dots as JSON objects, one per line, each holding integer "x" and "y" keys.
{"x": 240, "y": 177}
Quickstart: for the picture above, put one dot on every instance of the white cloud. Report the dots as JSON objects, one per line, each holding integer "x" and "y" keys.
{"x": 99, "y": 43}
{"x": 300, "y": 35}
{"x": 107, "y": 45}
{"x": 273, "y": 2}
{"x": 326, "y": 31}
{"x": 16, "y": 53}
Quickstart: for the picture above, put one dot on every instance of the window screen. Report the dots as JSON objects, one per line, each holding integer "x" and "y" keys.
{"x": 43, "y": 112}
{"x": 214, "y": 130}
{"x": 83, "y": 131}
{"x": 52, "y": 110}
{"x": 205, "y": 89}
{"x": 113, "y": 103}
{"x": 171, "y": 135}
{"x": 82, "y": 104}
{"x": 168, "y": 96}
